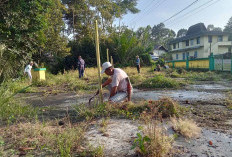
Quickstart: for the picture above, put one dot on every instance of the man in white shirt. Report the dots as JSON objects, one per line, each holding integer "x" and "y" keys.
{"x": 119, "y": 83}
{"x": 28, "y": 70}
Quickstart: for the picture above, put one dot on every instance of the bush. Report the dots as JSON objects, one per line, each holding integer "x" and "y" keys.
{"x": 160, "y": 81}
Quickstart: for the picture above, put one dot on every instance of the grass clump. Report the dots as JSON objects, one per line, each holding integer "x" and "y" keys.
{"x": 187, "y": 128}
{"x": 202, "y": 76}
{"x": 228, "y": 101}
{"x": 160, "y": 81}
{"x": 153, "y": 142}
{"x": 12, "y": 110}
{"x": 41, "y": 137}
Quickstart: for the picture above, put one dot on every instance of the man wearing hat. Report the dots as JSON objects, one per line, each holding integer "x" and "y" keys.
{"x": 138, "y": 63}
{"x": 118, "y": 83}
{"x": 28, "y": 70}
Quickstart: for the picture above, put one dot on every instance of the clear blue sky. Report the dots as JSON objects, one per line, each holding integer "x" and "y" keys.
{"x": 152, "y": 12}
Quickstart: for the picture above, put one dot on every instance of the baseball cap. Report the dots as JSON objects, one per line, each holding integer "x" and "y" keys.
{"x": 105, "y": 66}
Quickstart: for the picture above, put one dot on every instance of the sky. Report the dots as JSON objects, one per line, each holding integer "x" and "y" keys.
{"x": 153, "y": 12}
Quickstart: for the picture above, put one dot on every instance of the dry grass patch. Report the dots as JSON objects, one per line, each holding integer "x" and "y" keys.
{"x": 187, "y": 128}
{"x": 63, "y": 140}
{"x": 154, "y": 142}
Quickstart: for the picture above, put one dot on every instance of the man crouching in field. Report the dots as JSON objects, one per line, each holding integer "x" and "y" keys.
{"x": 118, "y": 84}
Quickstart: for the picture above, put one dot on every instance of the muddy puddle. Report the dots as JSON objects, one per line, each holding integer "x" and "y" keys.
{"x": 210, "y": 87}
{"x": 180, "y": 95}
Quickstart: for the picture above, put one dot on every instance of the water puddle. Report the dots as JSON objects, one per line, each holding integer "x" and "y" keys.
{"x": 179, "y": 95}
{"x": 210, "y": 87}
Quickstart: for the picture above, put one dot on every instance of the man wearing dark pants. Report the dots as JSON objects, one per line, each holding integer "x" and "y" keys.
{"x": 138, "y": 64}
{"x": 81, "y": 66}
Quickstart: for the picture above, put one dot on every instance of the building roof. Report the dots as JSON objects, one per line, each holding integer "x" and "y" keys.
{"x": 195, "y": 31}
{"x": 160, "y": 47}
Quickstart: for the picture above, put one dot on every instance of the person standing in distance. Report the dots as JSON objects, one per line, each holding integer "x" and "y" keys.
{"x": 138, "y": 63}
{"x": 28, "y": 70}
{"x": 81, "y": 66}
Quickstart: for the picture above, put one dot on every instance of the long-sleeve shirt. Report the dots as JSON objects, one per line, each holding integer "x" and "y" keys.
{"x": 137, "y": 61}
{"x": 81, "y": 64}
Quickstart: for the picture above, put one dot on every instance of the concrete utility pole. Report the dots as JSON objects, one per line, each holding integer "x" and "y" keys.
{"x": 107, "y": 53}
{"x": 98, "y": 62}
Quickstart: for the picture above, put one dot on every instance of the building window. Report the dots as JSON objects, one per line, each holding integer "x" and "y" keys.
{"x": 195, "y": 54}
{"x": 183, "y": 54}
{"x": 187, "y": 42}
{"x": 176, "y": 56}
{"x": 191, "y": 42}
{"x": 178, "y": 45}
{"x": 174, "y": 46}
{"x": 210, "y": 39}
{"x": 220, "y": 38}
{"x": 187, "y": 54}
{"x": 198, "y": 40}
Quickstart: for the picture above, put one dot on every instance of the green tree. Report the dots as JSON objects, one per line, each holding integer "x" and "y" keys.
{"x": 162, "y": 35}
{"x": 182, "y": 32}
{"x": 22, "y": 26}
{"x": 228, "y": 28}
{"x": 212, "y": 28}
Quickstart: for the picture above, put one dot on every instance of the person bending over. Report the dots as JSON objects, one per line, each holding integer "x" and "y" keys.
{"x": 118, "y": 83}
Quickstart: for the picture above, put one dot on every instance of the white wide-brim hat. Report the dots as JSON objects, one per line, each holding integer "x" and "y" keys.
{"x": 105, "y": 66}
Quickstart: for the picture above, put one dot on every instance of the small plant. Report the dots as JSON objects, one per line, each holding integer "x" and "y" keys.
{"x": 153, "y": 143}
{"x": 186, "y": 127}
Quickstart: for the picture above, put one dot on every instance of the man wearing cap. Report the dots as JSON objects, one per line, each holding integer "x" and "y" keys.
{"x": 138, "y": 63}
{"x": 119, "y": 83}
{"x": 28, "y": 70}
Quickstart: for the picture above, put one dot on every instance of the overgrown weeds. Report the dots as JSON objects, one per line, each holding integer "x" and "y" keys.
{"x": 153, "y": 142}
{"x": 41, "y": 136}
{"x": 13, "y": 110}
{"x": 187, "y": 128}
{"x": 160, "y": 81}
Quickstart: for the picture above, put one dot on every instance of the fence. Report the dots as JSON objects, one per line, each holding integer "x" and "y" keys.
{"x": 222, "y": 62}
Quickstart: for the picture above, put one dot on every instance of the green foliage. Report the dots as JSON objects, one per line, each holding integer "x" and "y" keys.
{"x": 140, "y": 142}
{"x": 12, "y": 110}
{"x": 160, "y": 81}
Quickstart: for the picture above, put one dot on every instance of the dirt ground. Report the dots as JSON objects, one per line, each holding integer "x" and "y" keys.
{"x": 204, "y": 100}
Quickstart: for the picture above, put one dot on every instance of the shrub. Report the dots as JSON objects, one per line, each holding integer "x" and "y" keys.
{"x": 160, "y": 81}
{"x": 186, "y": 127}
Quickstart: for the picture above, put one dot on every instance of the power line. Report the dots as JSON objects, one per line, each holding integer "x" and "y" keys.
{"x": 147, "y": 6}
{"x": 181, "y": 11}
{"x": 196, "y": 12}
{"x": 149, "y": 11}
{"x": 191, "y": 11}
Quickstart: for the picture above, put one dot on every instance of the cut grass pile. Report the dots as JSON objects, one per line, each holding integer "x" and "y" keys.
{"x": 187, "y": 128}
{"x": 160, "y": 81}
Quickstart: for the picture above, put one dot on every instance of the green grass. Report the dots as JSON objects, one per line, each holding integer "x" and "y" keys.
{"x": 160, "y": 81}
{"x": 12, "y": 110}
